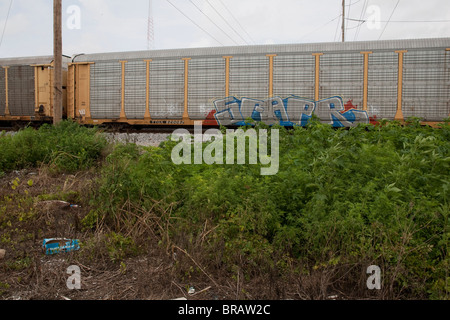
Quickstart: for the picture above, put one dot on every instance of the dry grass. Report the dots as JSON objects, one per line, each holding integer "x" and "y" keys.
{"x": 157, "y": 266}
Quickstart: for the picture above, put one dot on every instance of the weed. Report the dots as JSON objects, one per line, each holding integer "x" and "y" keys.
{"x": 341, "y": 197}
{"x": 66, "y": 147}
{"x": 3, "y": 288}
{"x": 19, "y": 264}
{"x": 119, "y": 247}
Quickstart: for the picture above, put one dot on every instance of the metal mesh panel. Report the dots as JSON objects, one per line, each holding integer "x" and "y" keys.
{"x": 167, "y": 89}
{"x": 382, "y": 91}
{"x": 249, "y": 77}
{"x": 342, "y": 75}
{"x": 206, "y": 84}
{"x": 21, "y": 92}
{"x": 135, "y": 86}
{"x": 426, "y": 85}
{"x": 106, "y": 90}
{"x": 2, "y": 92}
{"x": 294, "y": 75}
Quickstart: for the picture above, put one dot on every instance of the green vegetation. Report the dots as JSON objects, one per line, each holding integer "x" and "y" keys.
{"x": 343, "y": 199}
{"x": 368, "y": 195}
{"x": 66, "y": 147}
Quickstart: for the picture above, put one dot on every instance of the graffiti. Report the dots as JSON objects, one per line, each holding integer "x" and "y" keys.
{"x": 290, "y": 111}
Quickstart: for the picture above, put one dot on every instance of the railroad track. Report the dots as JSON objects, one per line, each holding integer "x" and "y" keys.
{"x": 107, "y": 129}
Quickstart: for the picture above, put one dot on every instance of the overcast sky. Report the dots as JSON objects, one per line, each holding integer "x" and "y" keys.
{"x": 116, "y": 25}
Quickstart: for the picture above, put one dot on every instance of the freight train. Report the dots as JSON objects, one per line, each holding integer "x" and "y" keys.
{"x": 343, "y": 84}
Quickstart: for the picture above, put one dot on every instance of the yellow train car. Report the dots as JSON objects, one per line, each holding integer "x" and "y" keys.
{"x": 26, "y": 89}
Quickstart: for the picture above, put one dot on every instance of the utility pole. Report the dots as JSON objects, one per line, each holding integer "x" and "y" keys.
{"x": 57, "y": 53}
{"x": 343, "y": 20}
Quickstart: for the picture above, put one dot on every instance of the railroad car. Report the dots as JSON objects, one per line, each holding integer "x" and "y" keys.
{"x": 26, "y": 89}
{"x": 341, "y": 83}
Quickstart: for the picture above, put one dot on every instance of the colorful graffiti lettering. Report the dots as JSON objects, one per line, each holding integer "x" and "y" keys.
{"x": 290, "y": 111}
{"x": 349, "y": 105}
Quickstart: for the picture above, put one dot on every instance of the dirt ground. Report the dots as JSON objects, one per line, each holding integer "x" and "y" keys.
{"x": 31, "y": 211}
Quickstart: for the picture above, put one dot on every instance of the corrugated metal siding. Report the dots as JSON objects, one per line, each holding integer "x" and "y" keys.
{"x": 135, "y": 87}
{"x": 2, "y": 92}
{"x": 249, "y": 77}
{"x": 106, "y": 90}
{"x": 206, "y": 84}
{"x": 167, "y": 89}
{"x": 342, "y": 75}
{"x": 27, "y": 61}
{"x": 305, "y": 48}
{"x": 426, "y": 85}
{"x": 21, "y": 92}
{"x": 382, "y": 86}
{"x": 294, "y": 75}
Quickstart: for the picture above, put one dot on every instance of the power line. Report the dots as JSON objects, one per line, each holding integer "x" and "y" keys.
{"x": 404, "y": 21}
{"x": 358, "y": 26}
{"x": 194, "y": 22}
{"x": 307, "y": 34}
{"x": 6, "y": 22}
{"x": 237, "y": 21}
{"x": 392, "y": 13}
{"x": 418, "y": 21}
{"x": 351, "y": 4}
{"x": 150, "y": 27}
{"x": 337, "y": 28}
{"x": 212, "y": 21}
{"x": 360, "y": 17}
{"x": 207, "y": 1}
{"x": 348, "y": 14}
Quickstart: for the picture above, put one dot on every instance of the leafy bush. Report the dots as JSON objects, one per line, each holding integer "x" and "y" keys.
{"x": 65, "y": 147}
{"x": 376, "y": 194}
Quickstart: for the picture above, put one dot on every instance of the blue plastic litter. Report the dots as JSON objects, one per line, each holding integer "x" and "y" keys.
{"x": 59, "y": 245}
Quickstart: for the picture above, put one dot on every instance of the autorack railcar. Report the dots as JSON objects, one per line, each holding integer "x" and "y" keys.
{"x": 26, "y": 89}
